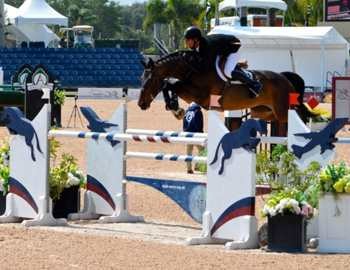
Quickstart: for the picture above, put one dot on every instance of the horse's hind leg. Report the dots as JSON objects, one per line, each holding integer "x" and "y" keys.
{"x": 29, "y": 143}
{"x": 227, "y": 155}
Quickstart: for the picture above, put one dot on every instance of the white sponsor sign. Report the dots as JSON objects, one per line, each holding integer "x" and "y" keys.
{"x": 341, "y": 97}
{"x": 106, "y": 93}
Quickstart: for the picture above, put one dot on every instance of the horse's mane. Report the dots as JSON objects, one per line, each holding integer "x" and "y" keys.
{"x": 183, "y": 55}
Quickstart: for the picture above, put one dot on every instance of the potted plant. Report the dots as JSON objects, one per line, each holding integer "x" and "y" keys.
{"x": 65, "y": 181}
{"x": 287, "y": 212}
{"x": 294, "y": 192}
{"x": 334, "y": 211}
{"x": 4, "y": 175}
{"x": 58, "y": 101}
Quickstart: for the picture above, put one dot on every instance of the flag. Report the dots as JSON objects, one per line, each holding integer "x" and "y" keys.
{"x": 312, "y": 102}
{"x": 293, "y": 99}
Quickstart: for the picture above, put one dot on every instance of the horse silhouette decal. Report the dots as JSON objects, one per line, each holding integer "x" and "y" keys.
{"x": 325, "y": 138}
{"x": 241, "y": 138}
{"x": 18, "y": 125}
{"x": 96, "y": 124}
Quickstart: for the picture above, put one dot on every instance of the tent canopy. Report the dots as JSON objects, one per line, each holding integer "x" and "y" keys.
{"x": 315, "y": 53}
{"x": 27, "y": 31}
{"x": 290, "y": 37}
{"x": 39, "y": 12}
{"x": 11, "y": 12}
{"x": 265, "y": 4}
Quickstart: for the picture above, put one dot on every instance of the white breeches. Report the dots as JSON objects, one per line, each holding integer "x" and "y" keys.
{"x": 231, "y": 62}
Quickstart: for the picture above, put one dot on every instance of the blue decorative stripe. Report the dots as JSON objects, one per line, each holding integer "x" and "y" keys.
{"x": 16, "y": 187}
{"x": 243, "y": 207}
{"x": 109, "y": 137}
{"x": 173, "y": 134}
{"x": 173, "y": 158}
{"x": 159, "y": 157}
{"x": 189, "y": 195}
{"x": 95, "y": 136}
{"x": 96, "y": 186}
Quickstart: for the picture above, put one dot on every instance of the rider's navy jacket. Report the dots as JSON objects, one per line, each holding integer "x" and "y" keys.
{"x": 193, "y": 119}
{"x": 212, "y": 46}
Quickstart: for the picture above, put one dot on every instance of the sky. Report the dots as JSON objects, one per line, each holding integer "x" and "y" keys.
{"x": 128, "y": 2}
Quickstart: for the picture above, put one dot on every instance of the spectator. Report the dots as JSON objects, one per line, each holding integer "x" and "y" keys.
{"x": 63, "y": 43}
{"x": 193, "y": 122}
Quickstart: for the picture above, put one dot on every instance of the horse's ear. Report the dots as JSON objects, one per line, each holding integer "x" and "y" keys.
{"x": 150, "y": 63}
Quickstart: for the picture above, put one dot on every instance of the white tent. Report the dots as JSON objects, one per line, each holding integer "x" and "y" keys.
{"x": 265, "y": 4}
{"x": 38, "y": 32}
{"x": 39, "y": 12}
{"x": 10, "y": 13}
{"x": 27, "y": 32}
{"x": 316, "y": 53}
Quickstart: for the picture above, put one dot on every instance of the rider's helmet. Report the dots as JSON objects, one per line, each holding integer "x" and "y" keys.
{"x": 192, "y": 32}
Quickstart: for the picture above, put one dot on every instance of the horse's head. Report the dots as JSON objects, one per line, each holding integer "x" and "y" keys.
{"x": 10, "y": 114}
{"x": 151, "y": 85}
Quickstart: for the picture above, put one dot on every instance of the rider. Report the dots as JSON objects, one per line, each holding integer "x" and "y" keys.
{"x": 224, "y": 45}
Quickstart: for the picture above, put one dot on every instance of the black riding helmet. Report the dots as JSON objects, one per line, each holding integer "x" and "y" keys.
{"x": 192, "y": 32}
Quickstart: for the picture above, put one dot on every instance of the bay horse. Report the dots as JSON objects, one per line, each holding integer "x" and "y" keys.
{"x": 271, "y": 104}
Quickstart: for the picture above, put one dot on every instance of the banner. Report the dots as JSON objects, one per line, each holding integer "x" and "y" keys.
{"x": 337, "y": 10}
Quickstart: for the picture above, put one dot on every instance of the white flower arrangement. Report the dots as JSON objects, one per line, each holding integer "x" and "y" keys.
{"x": 75, "y": 178}
{"x": 287, "y": 203}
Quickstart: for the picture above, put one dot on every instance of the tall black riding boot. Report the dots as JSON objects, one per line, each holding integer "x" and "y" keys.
{"x": 255, "y": 86}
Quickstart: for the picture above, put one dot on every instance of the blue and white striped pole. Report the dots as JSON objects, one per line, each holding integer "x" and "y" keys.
{"x": 126, "y": 137}
{"x": 167, "y": 133}
{"x": 162, "y": 156}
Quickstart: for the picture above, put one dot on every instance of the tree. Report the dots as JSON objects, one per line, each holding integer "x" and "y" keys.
{"x": 182, "y": 13}
{"x": 155, "y": 13}
{"x": 302, "y": 11}
{"x": 178, "y": 14}
{"x": 14, "y": 3}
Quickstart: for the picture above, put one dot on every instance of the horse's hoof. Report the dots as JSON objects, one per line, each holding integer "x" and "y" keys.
{"x": 179, "y": 114}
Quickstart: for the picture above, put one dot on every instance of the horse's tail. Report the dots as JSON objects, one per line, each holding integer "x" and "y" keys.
{"x": 37, "y": 142}
{"x": 216, "y": 153}
{"x": 298, "y": 84}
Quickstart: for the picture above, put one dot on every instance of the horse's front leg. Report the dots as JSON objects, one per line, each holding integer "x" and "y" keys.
{"x": 171, "y": 98}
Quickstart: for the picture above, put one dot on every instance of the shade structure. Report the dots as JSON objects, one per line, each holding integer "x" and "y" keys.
{"x": 266, "y": 4}
{"x": 39, "y": 12}
{"x": 315, "y": 53}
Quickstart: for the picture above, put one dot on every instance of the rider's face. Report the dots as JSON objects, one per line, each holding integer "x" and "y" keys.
{"x": 191, "y": 43}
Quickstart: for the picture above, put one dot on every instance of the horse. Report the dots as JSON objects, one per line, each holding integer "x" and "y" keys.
{"x": 271, "y": 104}
{"x": 17, "y": 124}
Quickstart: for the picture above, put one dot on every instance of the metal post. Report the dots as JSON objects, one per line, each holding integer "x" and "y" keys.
{"x": 125, "y": 121}
{"x": 217, "y": 21}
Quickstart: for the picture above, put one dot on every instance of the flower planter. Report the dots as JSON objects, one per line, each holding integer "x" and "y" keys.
{"x": 2, "y": 203}
{"x": 334, "y": 223}
{"x": 69, "y": 202}
{"x": 287, "y": 233}
{"x": 56, "y": 115}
